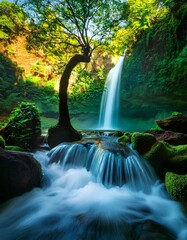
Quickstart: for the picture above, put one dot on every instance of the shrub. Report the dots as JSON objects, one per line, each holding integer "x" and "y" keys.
{"x": 23, "y": 127}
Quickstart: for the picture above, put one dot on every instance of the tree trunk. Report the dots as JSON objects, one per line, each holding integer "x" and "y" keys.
{"x": 64, "y": 119}
{"x": 63, "y": 131}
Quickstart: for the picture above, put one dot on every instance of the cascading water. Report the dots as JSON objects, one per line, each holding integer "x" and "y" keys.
{"x": 95, "y": 189}
{"x": 109, "y": 109}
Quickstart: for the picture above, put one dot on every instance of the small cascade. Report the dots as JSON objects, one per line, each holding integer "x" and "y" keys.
{"x": 109, "y": 109}
{"x": 110, "y": 162}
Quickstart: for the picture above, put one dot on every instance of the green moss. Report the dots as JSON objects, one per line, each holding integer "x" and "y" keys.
{"x": 142, "y": 142}
{"x": 14, "y": 148}
{"x": 176, "y": 186}
{"x": 2, "y": 142}
{"x": 126, "y": 138}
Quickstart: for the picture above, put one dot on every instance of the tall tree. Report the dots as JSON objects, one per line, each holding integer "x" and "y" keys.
{"x": 83, "y": 25}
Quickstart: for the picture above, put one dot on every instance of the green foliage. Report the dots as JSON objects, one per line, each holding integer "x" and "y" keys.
{"x": 86, "y": 86}
{"x": 23, "y": 127}
{"x": 10, "y": 84}
{"x": 157, "y": 65}
{"x": 12, "y": 21}
{"x": 2, "y": 142}
{"x": 76, "y": 24}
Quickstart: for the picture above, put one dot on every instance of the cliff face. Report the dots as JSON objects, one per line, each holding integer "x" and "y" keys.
{"x": 156, "y": 72}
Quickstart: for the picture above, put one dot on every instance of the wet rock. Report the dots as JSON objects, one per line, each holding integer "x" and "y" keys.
{"x": 176, "y": 186}
{"x": 19, "y": 173}
{"x": 59, "y": 134}
{"x": 172, "y": 138}
{"x": 175, "y": 123}
{"x": 150, "y": 230}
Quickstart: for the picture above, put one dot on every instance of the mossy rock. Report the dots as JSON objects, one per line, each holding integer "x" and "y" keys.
{"x": 2, "y": 142}
{"x": 142, "y": 142}
{"x": 157, "y": 156}
{"x": 176, "y": 186}
{"x": 126, "y": 138}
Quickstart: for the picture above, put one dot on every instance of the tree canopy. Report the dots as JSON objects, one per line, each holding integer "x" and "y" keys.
{"x": 82, "y": 25}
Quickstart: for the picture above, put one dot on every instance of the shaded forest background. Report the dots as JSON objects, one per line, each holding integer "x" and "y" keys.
{"x": 155, "y": 68}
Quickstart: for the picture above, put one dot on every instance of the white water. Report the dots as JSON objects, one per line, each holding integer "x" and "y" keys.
{"x": 109, "y": 109}
{"x": 74, "y": 204}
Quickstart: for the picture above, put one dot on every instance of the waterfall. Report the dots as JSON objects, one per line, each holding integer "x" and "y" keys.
{"x": 94, "y": 189}
{"x": 111, "y": 163}
{"x": 109, "y": 109}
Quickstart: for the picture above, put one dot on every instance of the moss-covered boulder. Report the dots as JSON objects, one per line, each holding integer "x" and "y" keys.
{"x": 142, "y": 142}
{"x": 19, "y": 173}
{"x": 176, "y": 186}
{"x": 24, "y": 127}
{"x": 161, "y": 155}
{"x": 165, "y": 157}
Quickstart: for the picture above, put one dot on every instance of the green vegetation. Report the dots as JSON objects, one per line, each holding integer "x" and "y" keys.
{"x": 24, "y": 127}
{"x": 12, "y": 21}
{"x": 2, "y": 142}
{"x": 157, "y": 66}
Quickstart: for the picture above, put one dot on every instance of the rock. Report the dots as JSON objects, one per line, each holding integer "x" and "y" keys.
{"x": 165, "y": 157}
{"x": 175, "y": 123}
{"x": 176, "y": 186}
{"x": 19, "y": 173}
{"x": 150, "y": 230}
{"x": 161, "y": 155}
{"x": 172, "y": 138}
{"x": 59, "y": 134}
{"x": 142, "y": 142}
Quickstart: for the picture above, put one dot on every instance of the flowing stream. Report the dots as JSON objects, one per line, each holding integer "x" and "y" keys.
{"x": 95, "y": 189}
{"x": 109, "y": 109}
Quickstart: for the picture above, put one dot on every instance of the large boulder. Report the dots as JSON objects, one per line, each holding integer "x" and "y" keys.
{"x": 173, "y": 138}
{"x": 19, "y": 173}
{"x": 175, "y": 123}
{"x": 24, "y": 127}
